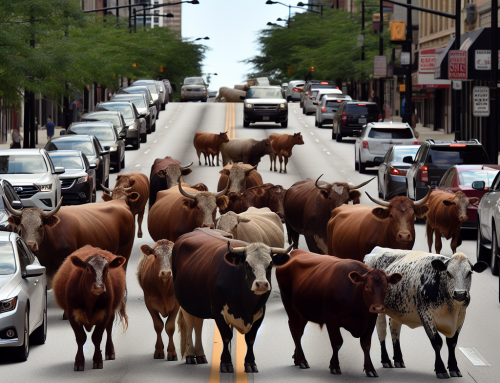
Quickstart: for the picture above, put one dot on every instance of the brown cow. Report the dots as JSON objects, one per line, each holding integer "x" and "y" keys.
{"x": 246, "y": 150}
{"x": 353, "y": 231}
{"x": 134, "y": 189}
{"x": 90, "y": 288}
{"x": 209, "y": 145}
{"x": 308, "y": 205}
{"x": 180, "y": 211}
{"x": 267, "y": 195}
{"x": 335, "y": 292}
{"x": 240, "y": 176}
{"x": 447, "y": 211}
{"x": 230, "y": 95}
{"x": 154, "y": 273}
{"x": 282, "y": 145}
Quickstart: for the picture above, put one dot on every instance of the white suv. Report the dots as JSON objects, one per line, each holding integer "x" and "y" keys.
{"x": 33, "y": 176}
{"x": 375, "y": 141}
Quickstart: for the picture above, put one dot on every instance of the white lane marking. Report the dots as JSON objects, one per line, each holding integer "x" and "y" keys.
{"x": 324, "y": 149}
{"x": 137, "y": 165}
{"x": 312, "y": 134}
{"x": 327, "y": 152}
{"x": 307, "y": 126}
{"x": 474, "y": 356}
{"x": 166, "y": 127}
{"x": 317, "y": 140}
{"x": 147, "y": 151}
{"x": 155, "y": 141}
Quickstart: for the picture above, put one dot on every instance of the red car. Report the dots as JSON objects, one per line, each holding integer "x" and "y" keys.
{"x": 461, "y": 177}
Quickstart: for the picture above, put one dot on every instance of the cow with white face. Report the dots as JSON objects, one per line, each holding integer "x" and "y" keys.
{"x": 434, "y": 293}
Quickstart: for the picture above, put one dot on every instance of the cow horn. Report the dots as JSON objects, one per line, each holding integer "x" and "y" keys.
{"x": 378, "y": 202}
{"x": 53, "y": 211}
{"x": 10, "y": 209}
{"x": 221, "y": 193}
{"x": 423, "y": 200}
{"x": 127, "y": 189}
{"x": 316, "y": 184}
{"x": 361, "y": 184}
{"x": 235, "y": 249}
{"x": 184, "y": 193}
{"x": 277, "y": 250}
{"x": 187, "y": 166}
{"x": 109, "y": 191}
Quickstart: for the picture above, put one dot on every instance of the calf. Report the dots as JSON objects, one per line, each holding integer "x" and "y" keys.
{"x": 447, "y": 211}
{"x": 434, "y": 293}
{"x": 336, "y": 293}
{"x": 209, "y": 144}
{"x": 240, "y": 176}
{"x": 90, "y": 288}
{"x": 282, "y": 145}
{"x": 154, "y": 273}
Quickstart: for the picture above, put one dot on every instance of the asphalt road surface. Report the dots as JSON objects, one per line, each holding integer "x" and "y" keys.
{"x": 53, "y": 361}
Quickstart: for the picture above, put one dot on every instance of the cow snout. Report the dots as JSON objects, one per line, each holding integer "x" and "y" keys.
{"x": 165, "y": 274}
{"x": 404, "y": 236}
{"x": 463, "y": 218}
{"x": 261, "y": 287}
{"x": 33, "y": 246}
{"x": 99, "y": 289}
{"x": 211, "y": 226}
{"x": 377, "y": 309}
{"x": 460, "y": 296}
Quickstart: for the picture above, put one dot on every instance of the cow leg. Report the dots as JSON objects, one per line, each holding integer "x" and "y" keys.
{"x": 158, "y": 325}
{"x": 437, "y": 344}
{"x": 395, "y": 328}
{"x": 189, "y": 321}
{"x": 366, "y": 343}
{"x": 198, "y": 348}
{"x": 452, "y": 359}
{"x": 110, "y": 347}
{"x": 429, "y": 230}
{"x": 297, "y": 324}
{"x": 281, "y": 162}
{"x": 312, "y": 245}
{"x": 455, "y": 242}
{"x": 333, "y": 327}
{"x": 293, "y": 236}
{"x": 205, "y": 156}
{"x": 286, "y": 162}
{"x": 271, "y": 162}
{"x": 439, "y": 243}
{"x": 170, "y": 329}
{"x": 218, "y": 162}
{"x": 198, "y": 152}
{"x": 81, "y": 338}
{"x": 140, "y": 217}
{"x": 250, "y": 336}
{"x": 96, "y": 339}
{"x": 382, "y": 333}
{"x": 226, "y": 332}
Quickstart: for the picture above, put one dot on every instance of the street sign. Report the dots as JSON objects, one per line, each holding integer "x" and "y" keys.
{"x": 457, "y": 85}
{"x": 457, "y": 65}
{"x": 481, "y": 101}
{"x": 405, "y": 58}
{"x": 361, "y": 40}
{"x": 380, "y": 66}
{"x": 483, "y": 59}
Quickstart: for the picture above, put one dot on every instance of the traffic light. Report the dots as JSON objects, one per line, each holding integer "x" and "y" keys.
{"x": 397, "y": 29}
{"x": 312, "y": 69}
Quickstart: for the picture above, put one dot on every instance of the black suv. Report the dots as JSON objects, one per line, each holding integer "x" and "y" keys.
{"x": 434, "y": 158}
{"x": 314, "y": 84}
{"x": 352, "y": 116}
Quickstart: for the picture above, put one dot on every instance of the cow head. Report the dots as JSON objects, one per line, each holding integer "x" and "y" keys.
{"x": 173, "y": 172}
{"x": 223, "y": 137}
{"x": 162, "y": 253}
{"x": 459, "y": 204}
{"x": 276, "y": 200}
{"x": 297, "y": 139}
{"x": 339, "y": 193}
{"x": 458, "y": 275}
{"x": 237, "y": 176}
{"x": 205, "y": 204}
{"x": 256, "y": 261}
{"x": 266, "y": 147}
{"x": 96, "y": 270}
{"x": 229, "y": 222}
{"x": 30, "y": 223}
{"x": 401, "y": 212}
{"x": 374, "y": 284}
{"x": 120, "y": 192}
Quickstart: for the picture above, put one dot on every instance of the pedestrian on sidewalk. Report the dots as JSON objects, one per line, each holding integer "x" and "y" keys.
{"x": 50, "y": 126}
{"x": 415, "y": 119}
{"x": 16, "y": 139}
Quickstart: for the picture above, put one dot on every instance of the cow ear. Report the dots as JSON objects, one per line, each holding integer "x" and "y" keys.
{"x": 394, "y": 278}
{"x": 51, "y": 221}
{"x": 147, "y": 250}
{"x": 78, "y": 262}
{"x": 118, "y": 177}
{"x": 448, "y": 203}
{"x": 243, "y": 219}
{"x": 355, "y": 195}
{"x": 480, "y": 266}
{"x": 356, "y": 277}
{"x": 222, "y": 202}
{"x": 234, "y": 259}
{"x": 14, "y": 220}
{"x": 421, "y": 211}
{"x": 186, "y": 171}
{"x": 473, "y": 200}
{"x": 134, "y": 196}
{"x": 438, "y": 265}
{"x": 117, "y": 262}
{"x": 280, "y": 259}
{"x": 381, "y": 213}
{"x": 106, "y": 197}
{"x": 225, "y": 172}
{"x": 162, "y": 173}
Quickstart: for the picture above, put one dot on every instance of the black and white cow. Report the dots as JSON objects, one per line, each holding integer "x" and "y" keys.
{"x": 434, "y": 293}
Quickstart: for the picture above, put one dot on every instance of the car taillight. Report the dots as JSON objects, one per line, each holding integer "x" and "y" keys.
{"x": 296, "y": 89}
{"x": 424, "y": 174}
{"x": 397, "y": 172}
{"x": 379, "y": 117}
{"x": 416, "y": 143}
{"x": 344, "y": 118}
{"x": 365, "y": 144}
{"x": 323, "y": 109}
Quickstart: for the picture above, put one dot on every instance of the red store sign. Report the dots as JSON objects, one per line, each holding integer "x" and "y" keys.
{"x": 457, "y": 65}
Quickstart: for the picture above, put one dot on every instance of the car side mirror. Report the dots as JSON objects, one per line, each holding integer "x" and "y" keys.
{"x": 151, "y": 102}
{"x": 408, "y": 160}
{"x": 17, "y": 205}
{"x": 33, "y": 271}
{"x": 479, "y": 185}
{"x": 93, "y": 165}
{"x": 62, "y": 132}
{"x": 141, "y": 120}
{"x": 104, "y": 152}
{"x": 59, "y": 170}
{"x": 106, "y": 148}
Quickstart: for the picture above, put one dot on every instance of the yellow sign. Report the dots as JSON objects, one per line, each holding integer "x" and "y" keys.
{"x": 397, "y": 29}
{"x": 402, "y": 87}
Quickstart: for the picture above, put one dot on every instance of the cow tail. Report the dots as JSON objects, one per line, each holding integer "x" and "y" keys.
{"x": 181, "y": 323}
{"x": 122, "y": 313}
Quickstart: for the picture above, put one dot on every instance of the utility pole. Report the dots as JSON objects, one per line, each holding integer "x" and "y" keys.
{"x": 455, "y": 99}
{"x": 381, "y": 53}
{"x": 30, "y": 102}
{"x": 408, "y": 87}
{"x": 491, "y": 138}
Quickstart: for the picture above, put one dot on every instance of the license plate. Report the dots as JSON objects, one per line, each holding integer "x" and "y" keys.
{"x": 362, "y": 121}
{"x": 265, "y": 118}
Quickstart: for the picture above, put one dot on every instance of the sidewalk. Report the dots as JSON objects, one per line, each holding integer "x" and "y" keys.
{"x": 428, "y": 133}
{"x": 42, "y": 138}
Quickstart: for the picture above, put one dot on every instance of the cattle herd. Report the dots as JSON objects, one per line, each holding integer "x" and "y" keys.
{"x": 360, "y": 265}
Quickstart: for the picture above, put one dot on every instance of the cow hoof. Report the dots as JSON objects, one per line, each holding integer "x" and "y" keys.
{"x": 65, "y": 317}
{"x": 399, "y": 364}
{"x": 201, "y": 359}
{"x": 172, "y": 358}
{"x": 387, "y": 364}
{"x": 79, "y": 368}
{"x": 455, "y": 374}
{"x": 371, "y": 374}
{"x": 335, "y": 371}
{"x": 110, "y": 356}
{"x": 159, "y": 355}
{"x": 251, "y": 368}
{"x": 303, "y": 365}
{"x": 442, "y": 375}
{"x": 226, "y": 368}
{"x": 190, "y": 359}
{"x": 97, "y": 366}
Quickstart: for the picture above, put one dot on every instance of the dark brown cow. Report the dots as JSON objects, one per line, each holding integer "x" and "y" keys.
{"x": 240, "y": 176}
{"x": 227, "y": 280}
{"x": 134, "y": 189}
{"x": 447, "y": 211}
{"x": 209, "y": 145}
{"x": 353, "y": 231}
{"x": 246, "y": 150}
{"x": 179, "y": 211}
{"x": 90, "y": 288}
{"x": 337, "y": 293}
{"x": 308, "y": 206}
{"x": 154, "y": 273}
{"x": 282, "y": 145}
{"x": 267, "y": 195}
{"x": 56, "y": 234}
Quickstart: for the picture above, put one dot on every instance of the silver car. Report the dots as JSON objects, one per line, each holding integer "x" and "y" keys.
{"x": 292, "y": 91}
{"x": 327, "y": 108}
{"x": 194, "y": 89}
{"x": 314, "y": 98}
{"x": 23, "y": 297}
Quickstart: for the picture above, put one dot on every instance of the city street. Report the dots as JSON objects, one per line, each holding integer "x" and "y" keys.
{"x": 53, "y": 361}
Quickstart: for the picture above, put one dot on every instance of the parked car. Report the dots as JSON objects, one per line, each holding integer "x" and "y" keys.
{"x": 23, "y": 297}
{"x": 168, "y": 89}
{"x": 136, "y": 125}
{"x": 284, "y": 87}
{"x": 33, "y": 176}
{"x": 392, "y": 171}
{"x": 91, "y": 147}
{"x": 375, "y": 141}
{"x": 139, "y": 89}
{"x": 264, "y": 104}
{"x": 194, "y": 89}
{"x": 311, "y": 103}
{"x": 114, "y": 117}
{"x": 352, "y": 116}
{"x": 78, "y": 183}
{"x": 7, "y": 191}
{"x": 326, "y": 109}
{"x": 145, "y": 111}
{"x": 312, "y": 85}
{"x": 434, "y": 158}
{"x": 156, "y": 92}
{"x": 294, "y": 89}
{"x": 108, "y": 138}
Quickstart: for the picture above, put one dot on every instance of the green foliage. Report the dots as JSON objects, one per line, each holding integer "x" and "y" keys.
{"x": 328, "y": 43}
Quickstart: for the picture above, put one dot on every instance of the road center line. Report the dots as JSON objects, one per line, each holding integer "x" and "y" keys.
{"x": 216, "y": 352}
{"x": 241, "y": 375}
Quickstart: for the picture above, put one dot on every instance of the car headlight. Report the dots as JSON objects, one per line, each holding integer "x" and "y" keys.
{"x": 249, "y": 106}
{"x": 45, "y": 188}
{"x": 81, "y": 180}
{"x": 8, "y": 305}
{"x": 283, "y": 106}
{"x": 113, "y": 148}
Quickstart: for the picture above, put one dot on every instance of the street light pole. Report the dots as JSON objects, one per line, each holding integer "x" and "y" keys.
{"x": 381, "y": 53}
{"x": 456, "y": 93}
{"x": 408, "y": 87}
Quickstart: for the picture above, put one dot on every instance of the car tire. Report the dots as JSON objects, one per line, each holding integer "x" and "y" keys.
{"x": 494, "y": 252}
{"x": 144, "y": 138}
{"x": 22, "y": 352}
{"x": 356, "y": 165}
{"x": 301, "y": 105}
{"x": 203, "y": 100}
{"x": 284, "y": 124}
{"x": 338, "y": 137}
{"x": 481, "y": 250}
{"x": 94, "y": 196}
{"x": 303, "y": 110}
{"x": 40, "y": 334}
{"x": 246, "y": 123}
{"x": 288, "y": 99}
{"x": 320, "y": 125}
{"x": 315, "y": 122}
{"x": 163, "y": 106}
{"x": 153, "y": 128}
{"x": 122, "y": 165}
{"x": 361, "y": 165}
{"x": 107, "y": 183}
{"x": 138, "y": 141}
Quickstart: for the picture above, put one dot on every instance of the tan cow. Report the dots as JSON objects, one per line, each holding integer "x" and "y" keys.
{"x": 154, "y": 273}
{"x": 241, "y": 177}
{"x": 254, "y": 225}
{"x": 230, "y": 95}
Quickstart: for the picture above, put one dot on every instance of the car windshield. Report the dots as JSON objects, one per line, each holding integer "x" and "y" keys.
{"x": 457, "y": 155}
{"x": 22, "y": 164}
{"x": 362, "y": 108}
{"x": 103, "y": 116}
{"x": 126, "y": 110}
{"x": 468, "y": 177}
{"x": 324, "y": 86}
{"x": 84, "y": 146}
{"x": 400, "y": 153}
{"x": 193, "y": 81}
{"x": 138, "y": 101}
{"x": 102, "y": 133}
{"x": 67, "y": 162}
{"x": 7, "y": 259}
{"x": 264, "y": 93}
{"x": 390, "y": 133}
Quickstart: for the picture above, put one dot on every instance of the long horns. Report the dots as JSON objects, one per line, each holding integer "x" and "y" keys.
{"x": 187, "y": 166}
{"x": 361, "y": 184}
{"x": 221, "y": 193}
{"x": 235, "y": 250}
{"x": 109, "y": 191}
{"x": 183, "y": 192}
{"x": 423, "y": 200}
{"x": 316, "y": 184}
{"x": 274, "y": 250}
{"x": 10, "y": 209}
{"x": 416, "y": 203}
{"x": 53, "y": 211}
{"x": 377, "y": 201}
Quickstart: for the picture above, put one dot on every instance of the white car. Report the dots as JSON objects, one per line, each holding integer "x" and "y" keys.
{"x": 33, "y": 176}
{"x": 375, "y": 141}
{"x": 311, "y": 102}
{"x": 293, "y": 90}
{"x": 23, "y": 297}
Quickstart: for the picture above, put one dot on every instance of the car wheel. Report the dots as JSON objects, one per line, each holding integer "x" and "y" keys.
{"x": 107, "y": 183}
{"x": 40, "y": 334}
{"x": 361, "y": 165}
{"x": 481, "y": 251}
{"x": 163, "y": 106}
{"x": 153, "y": 128}
{"x": 356, "y": 165}
{"x": 203, "y": 100}
{"x": 122, "y": 165}
{"x": 303, "y": 110}
{"x": 246, "y": 123}
{"x": 144, "y": 138}
{"x": 22, "y": 352}
{"x": 320, "y": 124}
{"x": 494, "y": 252}
{"x": 284, "y": 124}
{"x": 138, "y": 140}
{"x": 288, "y": 99}
{"x": 338, "y": 137}
{"x": 315, "y": 122}
{"x": 301, "y": 104}
{"x": 94, "y": 196}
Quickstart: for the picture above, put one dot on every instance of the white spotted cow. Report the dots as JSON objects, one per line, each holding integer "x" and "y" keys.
{"x": 434, "y": 293}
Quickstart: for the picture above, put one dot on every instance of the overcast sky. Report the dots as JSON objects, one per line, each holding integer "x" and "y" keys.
{"x": 232, "y": 26}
